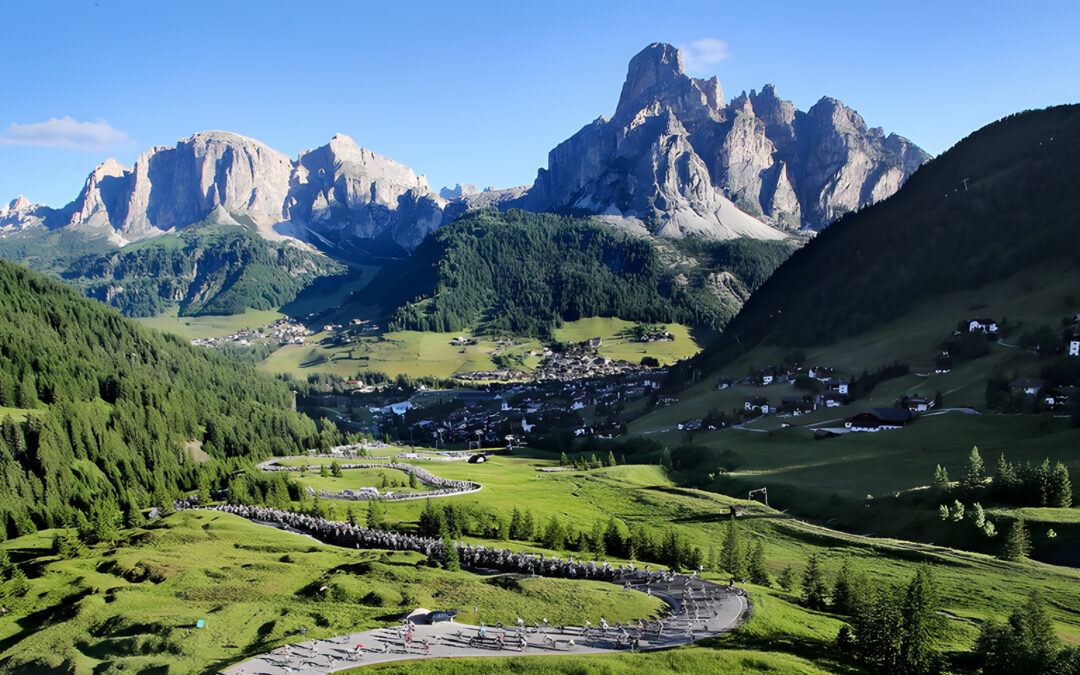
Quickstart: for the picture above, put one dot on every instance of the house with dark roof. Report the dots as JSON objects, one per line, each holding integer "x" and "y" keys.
{"x": 918, "y": 403}
{"x": 879, "y": 419}
{"x": 943, "y": 363}
{"x": 756, "y": 404}
{"x": 1059, "y": 398}
{"x": 985, "y": 326}
{"x": 1027, "y": 385}
{"x": 795, "y": 405}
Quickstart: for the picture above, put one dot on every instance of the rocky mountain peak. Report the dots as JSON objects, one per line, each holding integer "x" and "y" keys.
{"x": 657, "y": 64}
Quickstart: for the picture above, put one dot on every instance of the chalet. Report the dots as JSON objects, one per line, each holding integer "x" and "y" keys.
{"x": 1027, "y": 385}
{"x": 724, "y": 382}
{"x": 1074, "y": 341}
{"x": 821, "y": 373}
{"x": 763, "y": 377}
{"x": 667, "y": 400}
{"x": 835, "y": 384}
{"x": 795, "y": 405}
{"x": 594, "y": 342}
{"x": 757, "y": 404}
{"x": 832, "y": 399}
{"x": 1058, "y": 398}
{"x": 986, "y": 326}
{"x": 943, "y": 363}
{"x": 879, "y": 419}
{"x": 918, "y": 403}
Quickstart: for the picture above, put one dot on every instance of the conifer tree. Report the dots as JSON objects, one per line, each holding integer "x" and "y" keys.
{"x": 758, "y": 572}
{"x": 844, "y": 590}
{"x": 975, "y": 471}
{"x": 1060, "y": 492}
{"x": 610, "y": 458}
{"x": 413, "y": 483}
{"x": 941, "y": 479}
{"x": 815, "y": 593}
{"x": 922, "y": 628}
{"x": 1017, "y": 542}
{"x": 787, "y": 578}
{"x": 732, "y": 556}
{"x": 450, "y": 558}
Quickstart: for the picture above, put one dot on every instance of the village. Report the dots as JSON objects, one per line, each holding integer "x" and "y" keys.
{"x": 284, "y": 331}
{"x": 824, "y": 388}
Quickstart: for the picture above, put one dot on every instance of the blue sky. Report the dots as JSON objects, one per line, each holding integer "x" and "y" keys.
{"x": 479, "y": 92}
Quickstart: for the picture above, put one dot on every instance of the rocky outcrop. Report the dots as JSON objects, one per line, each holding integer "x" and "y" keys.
{"x": 338, "y": 194}
{"x": 679, "y": 159}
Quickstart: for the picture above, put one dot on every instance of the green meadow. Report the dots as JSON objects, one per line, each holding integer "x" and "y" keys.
{"x": 192, "y": 327}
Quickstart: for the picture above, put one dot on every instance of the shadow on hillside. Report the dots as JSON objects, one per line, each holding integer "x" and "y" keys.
{"x": 32, "y": 623}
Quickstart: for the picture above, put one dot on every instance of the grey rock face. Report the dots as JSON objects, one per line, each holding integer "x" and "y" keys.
{"x": 335, "y": 194}
{"x": 783, "y": 168}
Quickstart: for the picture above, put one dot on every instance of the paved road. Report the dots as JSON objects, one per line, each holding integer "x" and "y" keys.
{"x": 700, "y": 609}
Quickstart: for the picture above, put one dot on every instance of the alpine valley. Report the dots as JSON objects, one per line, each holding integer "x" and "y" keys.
{"x": 730, "y": 387}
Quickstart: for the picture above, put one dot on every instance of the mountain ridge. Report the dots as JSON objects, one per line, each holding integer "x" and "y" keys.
{"x": 674, "y": 160}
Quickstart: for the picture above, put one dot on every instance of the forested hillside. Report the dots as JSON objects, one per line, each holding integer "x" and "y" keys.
{"x": 997, "y": 203}
{"x": 525, "y": 273}
{"x": 98, "y": 410}
{"x": 206, "y": 269}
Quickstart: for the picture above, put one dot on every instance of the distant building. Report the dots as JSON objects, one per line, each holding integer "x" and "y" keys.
{"x": 724, "y": 382}
{"x": 943, "y": 363}
{"x": 918, "y": 403}
{"x": 987, "y": 326}
{"x": 756, "y": 404}
{"x": 879, "y": 419}
{"x": 1027, "y": 385}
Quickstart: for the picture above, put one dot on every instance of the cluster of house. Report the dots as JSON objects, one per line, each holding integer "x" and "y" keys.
{"x": 835, "y": 391}
{"x": 1060, "y": 397}
{"x": 576, "y": 365}
{"x": 286, "y": 331}
{"x": 487, "y": 417}
{"x": 656, "y": 336}
{"x": 500, "y": 375}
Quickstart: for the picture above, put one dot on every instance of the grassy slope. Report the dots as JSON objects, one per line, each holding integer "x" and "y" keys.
{"x": 255, "y": 587}
{"x": 417, "y": 353}
{"x": 234, "y": 575}
{"x": 191, "y": 327}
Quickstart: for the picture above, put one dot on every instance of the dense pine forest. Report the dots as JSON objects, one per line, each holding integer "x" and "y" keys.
{"x": 525, "y": 272}
{"x": 207, "y": 269}
{"x": 996, "y": 203}
{"x": 97, "y": 410}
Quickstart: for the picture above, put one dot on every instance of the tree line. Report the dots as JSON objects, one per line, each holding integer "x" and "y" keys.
{"x": 525, "y": 273}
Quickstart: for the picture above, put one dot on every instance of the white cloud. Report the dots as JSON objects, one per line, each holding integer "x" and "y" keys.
{"x": 701, "y": 54}
{"x": 65, "y": 132}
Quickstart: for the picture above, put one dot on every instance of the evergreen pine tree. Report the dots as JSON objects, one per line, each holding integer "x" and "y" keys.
{"x": 564, "y": 460}
{"x": 759, "y": 573}
{"x": 732, "y": 556}
{"x": 941, "y": 479}
{"x": 413, "y": 483}
{"x": 450, "y": 558}
{"x": 1060, "y": 492}
{"x": 787, "y": 578}
{"x": 974, "y": 472}
{"x": 922, "y": 628}
{"x": 610, "y": 458}
{"x": 1017, "y": 542}
{"x": 843, "y": 592}
{"x": 815, "y": 593}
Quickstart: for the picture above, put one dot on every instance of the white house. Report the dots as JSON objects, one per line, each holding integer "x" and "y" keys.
{"x": 1074, "y": 346}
